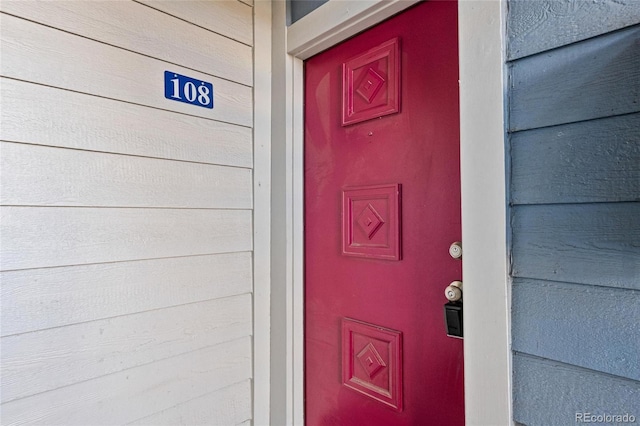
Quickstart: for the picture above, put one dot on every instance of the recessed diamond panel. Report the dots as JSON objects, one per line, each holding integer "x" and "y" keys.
{"x": 371, "y": 83}
{"x": 372, "y": 361}
{"x": 371, "y": 221}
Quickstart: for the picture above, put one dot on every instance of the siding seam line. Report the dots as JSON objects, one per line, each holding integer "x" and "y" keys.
{"x": 34, "y": 206}
{"x": 598, "y": 286}
{"x": 131, "y": 368}
{"x": 128, "y": 314}
{"x": 196, "y": 25}
{"x": 574, "y": 367}
{"x": 247, "y": 126}
{"x": 126, "y": 155}
{"x": 193, "y": 399}
{"x": 125, "y": 49}
{"x": 126, "y": 261}
{"x": 586, "y": 203}
{"x": 584, "y": 40}
{"x": 587, "y": 120}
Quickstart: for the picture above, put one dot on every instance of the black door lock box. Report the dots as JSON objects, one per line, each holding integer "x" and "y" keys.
{"x": 453, "y": 319}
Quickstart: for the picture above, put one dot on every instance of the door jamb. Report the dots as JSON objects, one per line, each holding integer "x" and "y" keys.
{"x": 483, "y": 180}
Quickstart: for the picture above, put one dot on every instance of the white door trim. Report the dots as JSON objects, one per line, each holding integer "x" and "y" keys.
{"x": 261, "y": 212}
{"x": 336, "y": 21}
{"x": 484, "y": 219}
{"x": 485, "y": 269}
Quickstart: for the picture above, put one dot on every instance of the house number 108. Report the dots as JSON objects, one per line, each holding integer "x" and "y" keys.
{"x": 189, "y": 90}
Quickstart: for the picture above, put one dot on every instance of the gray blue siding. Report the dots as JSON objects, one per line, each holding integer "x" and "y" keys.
{"x": 578, "y": 162}
{"x": 574, "y": 141}
{"x": 541, "y": 25}
{"x": 587, "y": 326}
{"x": 551, "y": 393}
{"x": 596, "y": 244}
{"x": 586, "y": 80}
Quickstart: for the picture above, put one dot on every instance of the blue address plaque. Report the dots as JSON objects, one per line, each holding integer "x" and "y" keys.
{"x": 189, "y": 90}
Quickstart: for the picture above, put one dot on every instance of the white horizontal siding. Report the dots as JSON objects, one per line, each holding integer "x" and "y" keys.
{"x": 47, "y": 56}
{"x": 37, "y": 299}
{"x": 60, "y": 236}
{"x": 126, "y": 226}
{"x": 136, "y": 27}
{"x": 49, "y": 359}
{"x": 230, "y": 18}
{"x": 228, "y": 406}
{"x": 131, "y": 394}
{"x": 81, "y": 178}
{"x": 47, "y": 116}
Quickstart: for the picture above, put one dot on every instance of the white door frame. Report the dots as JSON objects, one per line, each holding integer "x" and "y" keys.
{"x": 483, "y": 180}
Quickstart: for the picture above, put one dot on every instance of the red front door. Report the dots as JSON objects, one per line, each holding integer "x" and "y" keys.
{"x": 382, "y": 206}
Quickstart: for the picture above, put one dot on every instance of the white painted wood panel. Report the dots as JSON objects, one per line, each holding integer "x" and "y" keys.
{"x": 49, "y": 359}
{"x": 39, "y": 54}
{"x": 286, "y": 367}
{"x": 43, "y": 176}
{"x": 47, "y": 116}
{"x": 61, "y": 236}
{"x": 487, "y": 350}
{"x": 37, "y": 299}
{"x": 230, "y": 18}
{"x": 262, "y": 191}
{"x": 138, "y": 28}
{"x": 137, "y": 392}
{"x": 228, "y": 406}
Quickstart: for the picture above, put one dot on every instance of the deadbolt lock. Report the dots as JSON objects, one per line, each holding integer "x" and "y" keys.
{"x": 453, "y": 292}
{"x": 453, "y": 310}
{"x": 455, "y": 250}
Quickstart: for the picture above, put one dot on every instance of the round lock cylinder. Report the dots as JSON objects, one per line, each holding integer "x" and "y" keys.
{"x": 453, "y": 292}
{"x": 455, "y": 250}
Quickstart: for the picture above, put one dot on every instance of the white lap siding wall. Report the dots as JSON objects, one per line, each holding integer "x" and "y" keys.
{"x": 126, "y": 235}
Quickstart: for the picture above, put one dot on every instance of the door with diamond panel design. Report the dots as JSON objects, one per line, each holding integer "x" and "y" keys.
{"x": 382, "y": 206}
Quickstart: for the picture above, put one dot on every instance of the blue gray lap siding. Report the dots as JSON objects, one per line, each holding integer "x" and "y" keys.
{"x": 574, "y": 141}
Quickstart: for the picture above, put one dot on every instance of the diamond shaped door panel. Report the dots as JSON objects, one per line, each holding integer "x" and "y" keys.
{"x": 372, "y": 361}
{"x": 371, "y": 221}
{"x": 371, "y": 83}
